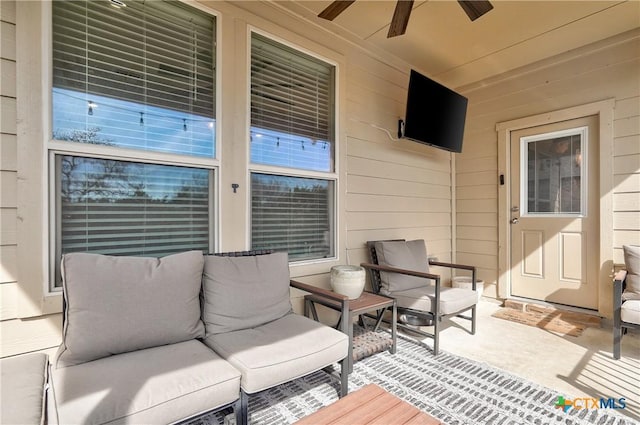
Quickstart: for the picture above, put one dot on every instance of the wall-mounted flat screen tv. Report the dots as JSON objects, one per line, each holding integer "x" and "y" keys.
{"x": 435, "y": 114}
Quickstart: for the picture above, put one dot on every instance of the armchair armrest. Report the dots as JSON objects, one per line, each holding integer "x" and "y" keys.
{"x": 618, "y": 287}
{"x": 458, "y": 266}
{"x": 371, "y": 266}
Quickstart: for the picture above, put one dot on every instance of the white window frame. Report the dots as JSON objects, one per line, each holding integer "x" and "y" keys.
{"x": 583, "y": 132}
{"x": 296, "y": 172}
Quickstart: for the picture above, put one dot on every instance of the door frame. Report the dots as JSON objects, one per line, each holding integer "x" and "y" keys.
{"x": 604, "y": 110}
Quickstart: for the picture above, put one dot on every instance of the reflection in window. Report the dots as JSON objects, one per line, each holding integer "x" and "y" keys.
{"x": 125, "y": 208}
{"x": 140, "y": 76}
{"x": 554, "y": 175}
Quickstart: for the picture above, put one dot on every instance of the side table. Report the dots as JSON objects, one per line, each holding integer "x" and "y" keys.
{"x": 367, "y": 302}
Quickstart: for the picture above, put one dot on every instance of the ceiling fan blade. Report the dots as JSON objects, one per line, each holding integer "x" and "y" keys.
{"x": 400, "y": 18}
{"x": 475, "y": 8}
{"x": 334, "y": 9}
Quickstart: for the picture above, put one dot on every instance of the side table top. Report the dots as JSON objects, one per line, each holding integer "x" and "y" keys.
{"x": 366, "y": 302}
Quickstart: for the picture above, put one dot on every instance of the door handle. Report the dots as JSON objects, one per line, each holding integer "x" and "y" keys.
{"x": 515, "y": 220}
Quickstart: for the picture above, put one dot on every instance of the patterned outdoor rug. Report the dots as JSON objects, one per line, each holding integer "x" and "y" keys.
{"x": 453, "y": 389}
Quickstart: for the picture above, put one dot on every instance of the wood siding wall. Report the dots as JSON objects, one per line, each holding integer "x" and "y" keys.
{"x": 609, "y": 69}
{"x": 8, "y": 160}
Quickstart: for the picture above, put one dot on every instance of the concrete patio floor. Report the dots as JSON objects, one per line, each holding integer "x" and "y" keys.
{"x": 575, "y": 367}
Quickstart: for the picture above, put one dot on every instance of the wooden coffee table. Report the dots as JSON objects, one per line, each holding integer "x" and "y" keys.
{"x": 369, "y": 405}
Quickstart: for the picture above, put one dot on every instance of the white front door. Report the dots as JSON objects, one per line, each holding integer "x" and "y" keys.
{"x": 555, "y": 213}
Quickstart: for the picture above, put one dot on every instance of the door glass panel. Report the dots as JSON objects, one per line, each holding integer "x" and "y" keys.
{"x": 553, "y": 173}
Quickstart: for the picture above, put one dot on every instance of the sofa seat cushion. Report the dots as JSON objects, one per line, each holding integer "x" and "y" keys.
{"x": 22, "y": 383}
{"x": 630, "y": 311}
{"x": 280, "y": 351}
{"x": 156, "y": 385}
{"x": 452, "y": 300}
{"x": 120, "y": 304}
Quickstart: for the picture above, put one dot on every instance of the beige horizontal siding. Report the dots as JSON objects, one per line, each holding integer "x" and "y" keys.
{"x": 610, "y": 68}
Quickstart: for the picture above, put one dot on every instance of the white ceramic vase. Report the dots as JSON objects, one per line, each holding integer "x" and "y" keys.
{"x": 348, "y": 280}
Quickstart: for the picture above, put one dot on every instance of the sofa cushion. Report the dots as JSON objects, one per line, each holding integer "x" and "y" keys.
{"x": 156, "y": 385}
{"x": 452, "y": 300}
{"x": 632, "y": 264}
{"x": 120, "y": 304}
{"x": 409, "y": 255}
{"x": 243, "y": 292}
{"x": 280, "y": 351}
{"x": 630, "y": 311}
{"x": 22, "y": 388}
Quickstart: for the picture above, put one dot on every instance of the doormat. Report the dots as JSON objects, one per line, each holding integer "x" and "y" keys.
{"x": 554, "y": 320}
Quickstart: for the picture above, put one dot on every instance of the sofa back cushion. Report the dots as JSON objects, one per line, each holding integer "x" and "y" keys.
{"x": 408, "y": 255}
{"x": 244, "y": 292}
{"x": 632, "y": 264}
{"x": 120, "y": 304}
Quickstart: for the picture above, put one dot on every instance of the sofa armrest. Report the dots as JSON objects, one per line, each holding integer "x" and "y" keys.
{"x": 618, "y": 288}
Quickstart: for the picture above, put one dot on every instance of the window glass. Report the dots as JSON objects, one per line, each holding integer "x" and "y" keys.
{"x": 125, "y": 208}
{"x": 140, "y": 76}
{"x": 292, "y": 107}
{"x": 293, "y": 214}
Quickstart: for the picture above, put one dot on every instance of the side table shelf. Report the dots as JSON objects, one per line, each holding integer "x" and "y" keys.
{"x": 363, "y": 342}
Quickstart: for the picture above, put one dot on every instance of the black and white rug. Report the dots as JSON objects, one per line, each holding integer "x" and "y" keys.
{"x": 453, "y": 389}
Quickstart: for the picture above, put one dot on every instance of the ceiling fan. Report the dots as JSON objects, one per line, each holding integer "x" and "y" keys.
{"x": 398, "y": 26}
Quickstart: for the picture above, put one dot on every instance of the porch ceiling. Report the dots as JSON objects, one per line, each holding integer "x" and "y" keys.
{"x": 443, "y": 43}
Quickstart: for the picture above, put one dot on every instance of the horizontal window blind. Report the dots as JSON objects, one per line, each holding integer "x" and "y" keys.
{"x": 123, "y": 208}
{"x": 291, "y": 92}
{"x": 292, "y": 214}
{"x": 149, "y": 61}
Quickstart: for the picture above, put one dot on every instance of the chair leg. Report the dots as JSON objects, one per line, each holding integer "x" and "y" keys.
{"x": 436, "y": 334}
{"x": 344, "y": 377}
{"x": 617, "y": 338}
{"x": 241, "y": 409}
{"x": 473, "y": 319}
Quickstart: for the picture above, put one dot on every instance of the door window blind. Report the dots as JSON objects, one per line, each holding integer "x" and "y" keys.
{"x": 141, "y": 76}
{"x": 125, "y": 208}
{"x": 292, "y": 104}
{"x": 292, "y": 214}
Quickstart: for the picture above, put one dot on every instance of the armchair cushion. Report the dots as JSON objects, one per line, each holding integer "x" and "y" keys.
{"x": 244, "y": 292}
{"x": 632, "y": 264}
{"x": 120, "y": 304}
{"x": 630, "y": 311}
{"x": 409, "y": 255}
{"x": 452, "y": 300}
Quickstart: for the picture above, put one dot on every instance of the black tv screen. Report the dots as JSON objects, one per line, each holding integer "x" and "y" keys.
{"x": 435, "y": 114}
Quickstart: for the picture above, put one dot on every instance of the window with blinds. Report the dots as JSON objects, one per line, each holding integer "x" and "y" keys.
{"x": 292, "y": 107}
{"x": 292, "y": 127}
{"x": 292, "y": 214}
{"x": 124, "y": 208}
{"x": 140, "y": 76}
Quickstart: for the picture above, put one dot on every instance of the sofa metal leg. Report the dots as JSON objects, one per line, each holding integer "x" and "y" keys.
{"x": 344, "y": 377}
{"x": 617, "y": 338}
{"x": 241, "y": 409}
